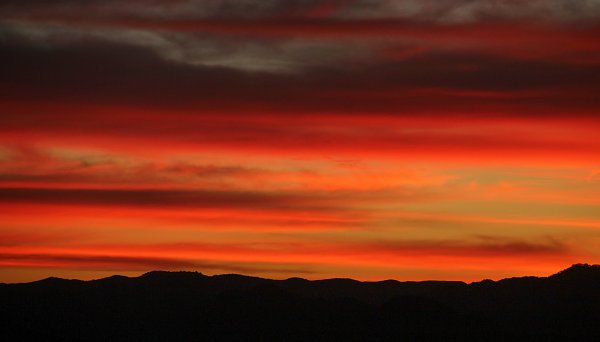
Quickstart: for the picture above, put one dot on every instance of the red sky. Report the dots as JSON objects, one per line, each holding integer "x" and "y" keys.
{"x": 369, "y": 139}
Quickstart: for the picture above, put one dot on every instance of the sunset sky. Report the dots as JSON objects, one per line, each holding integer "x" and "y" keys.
{"x": 368, "y": 139}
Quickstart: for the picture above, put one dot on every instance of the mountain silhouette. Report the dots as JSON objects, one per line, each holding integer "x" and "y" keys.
{"x": 190, "y": 306}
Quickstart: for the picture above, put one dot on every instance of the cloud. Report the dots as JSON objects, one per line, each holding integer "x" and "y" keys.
{"x": 248, "y": 55}
{"x": 244, "y": 120}
{"x": 91, "y": 261}
{"x": 29, "y": 166}
{"x": 15, "y": 238}
{"x": 167, "y": 198}
{"x": 144, "y": 263}
{"x": 281, "y": 41}
{"x": 429, "y": 10}
{"x": 480, "y": 10}
{"x": 481, "y": 247}
{"x": 129, "y": 263}
{"x": 469, "y": 83}
{"x": 253, "y": 258}
{"x": 318, "y": 201}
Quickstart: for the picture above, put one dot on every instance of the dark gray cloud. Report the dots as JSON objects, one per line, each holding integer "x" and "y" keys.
{"x": 256, "y": 54}
{"x": 475, "y": 10}
{"x": 433, "y": 69}
{"x": 100, "y": 71}
{"x": 428, "y": 10}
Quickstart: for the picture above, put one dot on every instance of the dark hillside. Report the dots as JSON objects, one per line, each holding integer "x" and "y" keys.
{"x": 192, "y": 306}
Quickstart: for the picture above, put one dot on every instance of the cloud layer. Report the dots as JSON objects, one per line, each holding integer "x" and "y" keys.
{"x": 368, "y": 138}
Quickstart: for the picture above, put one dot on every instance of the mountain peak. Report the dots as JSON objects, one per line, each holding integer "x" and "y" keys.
{"x": 578, "y": 268}
{"x": 578, "y": 272}
{"x": 159, "y": 273}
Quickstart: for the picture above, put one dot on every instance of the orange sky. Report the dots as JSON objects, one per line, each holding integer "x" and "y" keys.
{"x": 361, "y": 139}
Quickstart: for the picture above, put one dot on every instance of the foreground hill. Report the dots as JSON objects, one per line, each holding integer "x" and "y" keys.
{"x": 192, "y": 306}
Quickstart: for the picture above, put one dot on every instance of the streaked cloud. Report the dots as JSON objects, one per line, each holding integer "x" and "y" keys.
{"x": 355, "y": 138}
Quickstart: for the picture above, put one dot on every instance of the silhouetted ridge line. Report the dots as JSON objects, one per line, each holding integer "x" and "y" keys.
{"x": 162, "y": 305}
{"x": 578, "y": 270}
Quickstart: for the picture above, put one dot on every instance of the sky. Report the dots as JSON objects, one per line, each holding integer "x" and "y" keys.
{"x": 365, "y": 139}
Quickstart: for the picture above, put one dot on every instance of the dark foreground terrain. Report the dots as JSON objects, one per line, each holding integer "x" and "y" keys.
{"x": 191, "y": 306}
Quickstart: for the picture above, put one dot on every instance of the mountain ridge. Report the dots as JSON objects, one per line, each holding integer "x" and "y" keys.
{"x": 161, "y": 305}
{"x": 573, "y": 269}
